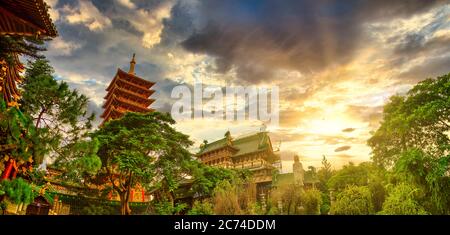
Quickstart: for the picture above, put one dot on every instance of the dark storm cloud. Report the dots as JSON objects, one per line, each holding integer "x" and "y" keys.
{"x": 162, "y": 95}
{"x": 431, "y": 68}
{"x": 147, "y": 4}
{"x": 416, "y": 44}
{"x": 342, "y": 148}
{"x": 426, "y": 44}
{"x": 433, "y": 50}
{"x": 125, "y": 25}
{"x": 257, "y": 37}
{"x": 100, "y": 52}
{"x": 348, "y": 129}
{"x": 179, "y": 27}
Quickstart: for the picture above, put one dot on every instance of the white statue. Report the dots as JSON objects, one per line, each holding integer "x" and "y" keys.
{"x": 299, "y": 172}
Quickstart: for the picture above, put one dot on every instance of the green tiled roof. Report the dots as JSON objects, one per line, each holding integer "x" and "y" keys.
{"x": 243, "y": 145}
{"x": 214, "y": 145}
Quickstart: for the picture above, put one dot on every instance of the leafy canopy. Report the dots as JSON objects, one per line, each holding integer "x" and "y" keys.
{"x": 420, "y": 119}
{"x": 59, "y": 113}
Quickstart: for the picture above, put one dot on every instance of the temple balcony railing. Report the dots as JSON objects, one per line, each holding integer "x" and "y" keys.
{"x": 252, "y": 165}
{"x": 277, "y": 165}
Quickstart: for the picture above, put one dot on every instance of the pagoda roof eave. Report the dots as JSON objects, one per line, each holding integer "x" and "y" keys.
{"x": 109, "y": 111}
{"x": 118, "y": 79}
{"x": 141, "y": 80}
{"x": 117, "y": 89}
{"x": 108, "y": 102}
{"x": 26, "y": 17}
{"x": 219, "y": 148}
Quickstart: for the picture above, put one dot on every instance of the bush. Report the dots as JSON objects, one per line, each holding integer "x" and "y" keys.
{"x": 17, "y": 190}
{"x": 201, "y": 208}
{"x": 98, "y": 210}
{"x": 354, "y": 200}
{"x": 325, "y": 207}
{"x": 403, "y": 200}
{"x": 3, "y": 206}
{"x": 165, "y": 207}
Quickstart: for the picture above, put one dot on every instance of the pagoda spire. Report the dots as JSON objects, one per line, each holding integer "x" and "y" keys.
{"x": 132, "y": 63}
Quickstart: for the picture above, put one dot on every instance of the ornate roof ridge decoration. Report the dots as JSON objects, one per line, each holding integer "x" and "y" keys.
{"x": 27, "y": 18}
{"x": 260, "y": 137}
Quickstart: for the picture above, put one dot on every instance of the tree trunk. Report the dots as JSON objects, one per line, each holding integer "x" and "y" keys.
{"x": 124, "y": 203}
{"x": 125, "y": 196}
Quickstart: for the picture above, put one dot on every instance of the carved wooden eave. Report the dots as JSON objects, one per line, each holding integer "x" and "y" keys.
{"x": 26, "y": 18}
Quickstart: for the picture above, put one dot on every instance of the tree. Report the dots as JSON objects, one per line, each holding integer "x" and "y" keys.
{"x": 206, "y": 178}
{"x": 18, "y": 139}
{"x": 11, "y": 47}
{"x": 325, "y": 172}
{"x": 350, "y": 174}
{"x": 413, "y": 140}
{"x": 311, "y": 173}
{"x": 416, "y": 168}
{"x": 311, "y": 201}
{"x": 287, "y": 199}
{"x": 234, "y": 197}
{"x": 354, "y": 200}
{"x": 226, "y": 199}
{"x": 145, "y": 150}
{"x": 59, "y": 113}
{"x": 79, "y": 160}
{"x": 420, "y": 119}
{"x": 403, "y": 200}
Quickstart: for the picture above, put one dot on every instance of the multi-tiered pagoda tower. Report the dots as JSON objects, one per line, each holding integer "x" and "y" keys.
{"x": 127, "y": 93}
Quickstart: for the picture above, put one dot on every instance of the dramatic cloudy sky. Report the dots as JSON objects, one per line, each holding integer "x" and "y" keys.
{"x": 335, "y": 62}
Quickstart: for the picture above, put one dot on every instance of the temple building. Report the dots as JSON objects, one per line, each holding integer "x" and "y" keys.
{"x": 27, "y": 18}
{"x": 127, "y": 93}
{"x": 253, "y": 152}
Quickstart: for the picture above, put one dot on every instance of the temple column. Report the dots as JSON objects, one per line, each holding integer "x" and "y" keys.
{"x": 8, "y": 169}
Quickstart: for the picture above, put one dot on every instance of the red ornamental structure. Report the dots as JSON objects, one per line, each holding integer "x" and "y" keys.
{"x": 127, "y": 93}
